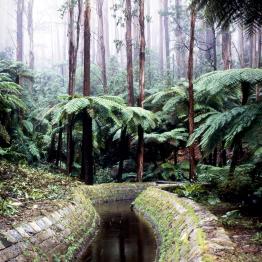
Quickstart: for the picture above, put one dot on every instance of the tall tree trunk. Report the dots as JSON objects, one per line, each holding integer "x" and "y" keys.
{"x": 179, "y": 42}
{"x": 191, "y": 125}
{"x": 226, "y": 49}
{"x": 87, "y": 170}
{"x": 167, "y": 40}
{"x": 241, "y": 47}
{"x": 19, "y": 30}
{"x": 211, "y": 45}
{"x": 72, "y": 54}
{"x": 149, "y": 41}
{"x": 129, "y": 56}
{"x": 259, "y": 53}
{"x": 161, "y": 45}
{"x": 106, "y": 30}
{"x": 140, "y": 145}
{"x": 99, "y": 4}
{"x": 253, "y": 50}
{"x": 30, "y": 30}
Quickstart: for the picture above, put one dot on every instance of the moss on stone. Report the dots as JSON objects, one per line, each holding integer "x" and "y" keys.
{"x": 177, "y": 225}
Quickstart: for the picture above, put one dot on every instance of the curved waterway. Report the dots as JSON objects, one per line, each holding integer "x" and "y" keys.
{"x": 123, "y": 236}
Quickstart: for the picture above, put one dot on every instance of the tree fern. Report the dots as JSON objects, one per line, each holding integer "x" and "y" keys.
{"x": 225, "y": 126}
{"x": 173, "y": 136}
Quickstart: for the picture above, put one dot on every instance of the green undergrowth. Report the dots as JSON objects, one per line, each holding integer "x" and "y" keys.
{"x": 21, "y": 186}
{"x": 173, "y": 228}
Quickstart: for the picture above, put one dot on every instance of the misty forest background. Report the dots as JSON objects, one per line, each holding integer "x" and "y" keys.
{"x": 134, "y": 91}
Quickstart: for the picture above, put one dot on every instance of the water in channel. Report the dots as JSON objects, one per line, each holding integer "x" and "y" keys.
{"x": 123, "y": 236}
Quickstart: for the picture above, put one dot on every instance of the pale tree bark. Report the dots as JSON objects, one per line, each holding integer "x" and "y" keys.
{"x": 179, "y": 50}
{"x": 72, "y": 55}
{"x": 135, "y": 35}
{"x": 87, "y": 169}
{"x": 99, "y": 5}
{"x": 106, "y": 29}
{"x": 241, "y": 46}
{"x": 211, "y": 45}
{"x": 259, "y": 48}
{"x": 226, "y": 49}
{"x": 259, "y": 42}
{"x": 254, "y": 54}
{"x": 129, "y": 55}
{"x": 30, "y": 30}
{"x": 19, "y": 30}
{"x": 252, "y": 51}
{"x": 149, "y": 40}
{"x": 140, "y": 145}
{"x": 161, "y": 43}
{"x": 167, "y": 42}
{"x": 191, "y": 124}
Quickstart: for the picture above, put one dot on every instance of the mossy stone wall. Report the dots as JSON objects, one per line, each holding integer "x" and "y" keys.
{"x": 54, "y": 237}
{"x": 186, "y": 231}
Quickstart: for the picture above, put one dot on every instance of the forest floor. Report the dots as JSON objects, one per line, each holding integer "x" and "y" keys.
{"x": 26, "y": 193}
{"x": 244, "y": 231}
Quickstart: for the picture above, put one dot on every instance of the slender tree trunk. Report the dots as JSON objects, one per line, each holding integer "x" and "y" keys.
{"x": 59, "y": 144}
{"x": 122, "y": 153}
{"x": 259, "y": 48}
{"x": 99, "y": 4}
{"x": 71, "y": 83}
{"x": 106, "y": 30}
{"x": 167, "y": 41}
{"x": 72, "y": 54}
{"x": 179, "y": 41}
{"x": 161, "y": 46}
{"x": 149, "y": 41}
{"x": 191, "y": 125}
{"x": 30, "y": 30}
{"x": 19, "y": 30}
{"x": 226, "y": 49}
{"x": 87, "y": 170}
{"x": 51, "y": 151}
{"x": 129, "y": 56}
{"x": 211, "y": 45}
{"x": 253, "y": 50}
{"x": 241, "y": 47}
{"x": 140, "y": 145}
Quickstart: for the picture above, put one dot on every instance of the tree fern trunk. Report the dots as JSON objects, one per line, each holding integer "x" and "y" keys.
{"x": 214, "y": 160}
{"x": 69, "y": 159}
{"x": 87, "y": 170}
{"x": 222, "y": 155}
{"x": 51, "y": 151}
{"x": 122, "y": 153}
{"x": 59, "y": 145}
{"x": 236, "y": 150}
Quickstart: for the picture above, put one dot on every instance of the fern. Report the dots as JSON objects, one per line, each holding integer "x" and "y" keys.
{"x": 225, "y": 126}
{"x": 173, "y": 136}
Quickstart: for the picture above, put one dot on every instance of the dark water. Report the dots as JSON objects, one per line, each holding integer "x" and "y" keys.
{"x": 123, "y": 236}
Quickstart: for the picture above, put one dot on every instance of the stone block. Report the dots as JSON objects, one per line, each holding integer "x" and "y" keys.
{"x": 35, "y": 227}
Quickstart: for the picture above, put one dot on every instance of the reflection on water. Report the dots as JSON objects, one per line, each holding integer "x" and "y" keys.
{"x": 123, "y": 236}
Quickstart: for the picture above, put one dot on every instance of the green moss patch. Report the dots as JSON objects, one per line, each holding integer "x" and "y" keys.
{"x": 179, "y": 226}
